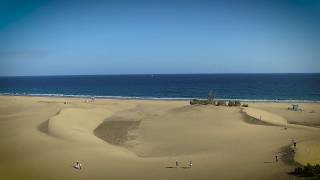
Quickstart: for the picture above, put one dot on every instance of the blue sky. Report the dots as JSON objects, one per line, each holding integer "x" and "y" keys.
{"x": 151, "y": 37}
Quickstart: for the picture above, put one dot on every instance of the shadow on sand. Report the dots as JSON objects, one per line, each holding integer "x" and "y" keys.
{"x": 115, "y": 130}
{"x": 183, "y": 167}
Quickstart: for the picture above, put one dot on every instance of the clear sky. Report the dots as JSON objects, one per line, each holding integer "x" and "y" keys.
{"x": 151, "y": 37}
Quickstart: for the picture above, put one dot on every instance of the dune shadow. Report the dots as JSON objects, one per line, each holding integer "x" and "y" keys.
{"x": 185, "y": 167}
{"x": 267, "y": 162}
{"x": 169, "y": 167}
{"x": 116, "y": 130}
{"x": 174, "y": 167}
{"x": 287, "y": 154}
{"x": 43, "y": 127}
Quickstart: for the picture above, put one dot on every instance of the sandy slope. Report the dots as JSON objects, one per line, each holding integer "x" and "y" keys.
{"x": 269, "y": 118}
{"x": 40, "y": 138}
{"x": 308, "y": 152}
{"x": 77, "y": 124}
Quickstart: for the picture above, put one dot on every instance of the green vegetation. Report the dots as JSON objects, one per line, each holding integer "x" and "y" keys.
{"x": 200, "y": 102}
{"x": 309, "y": 170}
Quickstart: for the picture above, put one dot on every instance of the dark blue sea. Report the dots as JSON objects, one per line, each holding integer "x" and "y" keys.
{"x": 258, "y": 87}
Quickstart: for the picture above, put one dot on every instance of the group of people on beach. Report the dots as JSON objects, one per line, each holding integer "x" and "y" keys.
{"x": 78, "y": 165}
{"x": 91, "y": 99}
{"x": 189, "y": 164}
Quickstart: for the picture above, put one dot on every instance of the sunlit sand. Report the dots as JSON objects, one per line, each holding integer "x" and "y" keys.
{"x": 43, "y": 138}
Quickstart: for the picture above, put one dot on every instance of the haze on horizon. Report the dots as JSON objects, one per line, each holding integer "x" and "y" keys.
{"x": 154, "y": 37}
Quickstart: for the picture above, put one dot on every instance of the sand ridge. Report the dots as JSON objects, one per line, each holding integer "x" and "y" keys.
{"x": 77, "y": 124}
{"x": 265, "y": 116}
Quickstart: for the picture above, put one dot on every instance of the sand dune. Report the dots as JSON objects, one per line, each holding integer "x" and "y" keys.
{"x": 41, "y": 138}
{"x": 309, "y": 116}
{"x": 266, "y": 117}
{"x": 308, "y": 150}
{"x": 77, "y": 124}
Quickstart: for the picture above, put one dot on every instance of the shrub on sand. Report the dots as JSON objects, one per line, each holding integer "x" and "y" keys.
{"x": 308, "y": 171}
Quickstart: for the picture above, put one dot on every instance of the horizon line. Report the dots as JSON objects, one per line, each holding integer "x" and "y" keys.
{"x": 137, "y": 74}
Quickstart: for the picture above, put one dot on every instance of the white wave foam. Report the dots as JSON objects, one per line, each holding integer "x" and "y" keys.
{"x": 156, "y": 98}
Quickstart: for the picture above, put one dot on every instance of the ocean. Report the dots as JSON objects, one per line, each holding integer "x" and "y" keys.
{"x": 246, "y": 87}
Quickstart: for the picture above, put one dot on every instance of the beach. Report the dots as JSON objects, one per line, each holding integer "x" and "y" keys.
{"x": 43, "y": 137}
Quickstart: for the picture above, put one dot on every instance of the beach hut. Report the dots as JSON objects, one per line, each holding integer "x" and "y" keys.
{"x": 295, "y": 107}
{"x": 221, "y": 103}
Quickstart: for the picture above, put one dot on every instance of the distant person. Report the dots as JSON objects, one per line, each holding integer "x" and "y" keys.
{"x": 177, "y": 163}
{"x": 190, "y": 164}
{"x": 276, "y": 156}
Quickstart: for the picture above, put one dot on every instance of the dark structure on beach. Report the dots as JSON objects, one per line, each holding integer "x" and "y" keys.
{"x": 211, "y": 100}
{"x": 234, "y": 103}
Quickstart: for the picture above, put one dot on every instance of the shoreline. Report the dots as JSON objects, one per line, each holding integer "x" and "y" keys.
{"x": 156, "y": 98}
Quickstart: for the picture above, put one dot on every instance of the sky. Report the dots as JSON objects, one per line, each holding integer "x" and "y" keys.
{"x": 159, "y": 37}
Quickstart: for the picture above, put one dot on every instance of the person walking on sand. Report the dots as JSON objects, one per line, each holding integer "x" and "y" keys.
{"x": 276, "y": 156}
{"x": 190, "y": 164}
{"x": 177, "y": 163}
{"x": 80, "y": 166}
{"x": 294, "y": 142}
